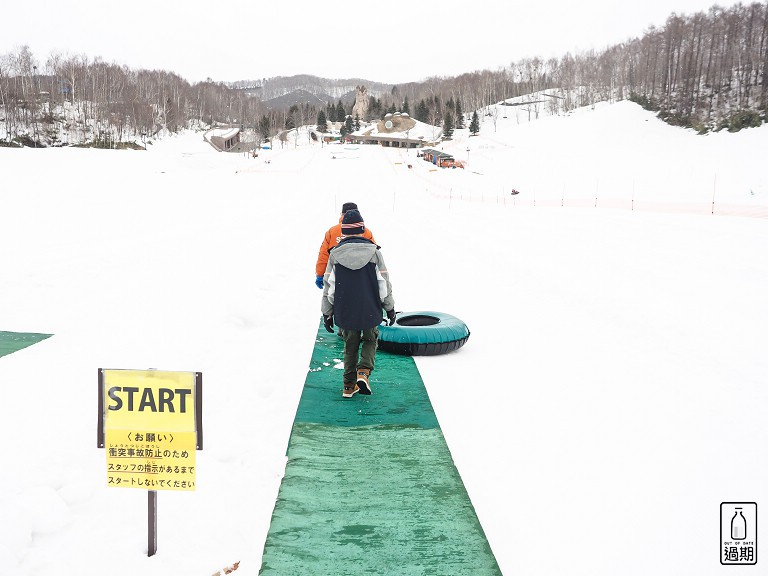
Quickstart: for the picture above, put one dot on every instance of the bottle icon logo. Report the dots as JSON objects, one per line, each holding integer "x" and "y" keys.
{"x": 738, "y": 525}
{"x": 738, "y": 533}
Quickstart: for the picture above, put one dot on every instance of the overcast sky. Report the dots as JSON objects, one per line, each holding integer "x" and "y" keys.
{"x": 390, "y": 41}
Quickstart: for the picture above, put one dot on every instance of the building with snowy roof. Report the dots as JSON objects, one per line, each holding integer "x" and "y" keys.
{"x": 223, "y": 139}
{"x": 399, "y": 131}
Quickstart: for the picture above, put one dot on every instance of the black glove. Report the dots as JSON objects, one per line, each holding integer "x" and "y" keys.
{"x": 391, "y": 316}
{"x": 328, "y": 321}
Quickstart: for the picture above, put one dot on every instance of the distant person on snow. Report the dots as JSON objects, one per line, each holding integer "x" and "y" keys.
{"x": 331, "y": 239}
{"x": 356, "y": 289}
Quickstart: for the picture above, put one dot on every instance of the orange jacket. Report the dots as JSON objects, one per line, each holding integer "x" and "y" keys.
{"x": 331, "y": 239}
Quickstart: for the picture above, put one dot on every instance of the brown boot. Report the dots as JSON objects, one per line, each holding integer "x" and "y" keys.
{"x": 363, "y": 380}
{"x": 350, "y": 390}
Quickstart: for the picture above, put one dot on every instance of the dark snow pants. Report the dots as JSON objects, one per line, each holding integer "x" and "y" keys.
{"x": 352, "y": 340}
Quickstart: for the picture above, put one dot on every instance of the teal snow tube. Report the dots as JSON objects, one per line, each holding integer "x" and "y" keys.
{"x": 423, "y": 334}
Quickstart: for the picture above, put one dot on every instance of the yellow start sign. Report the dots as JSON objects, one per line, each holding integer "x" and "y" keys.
{"x": 149, "y": 420}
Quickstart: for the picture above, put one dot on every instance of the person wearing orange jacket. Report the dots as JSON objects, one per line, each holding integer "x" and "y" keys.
{"x": 331, "y": 240}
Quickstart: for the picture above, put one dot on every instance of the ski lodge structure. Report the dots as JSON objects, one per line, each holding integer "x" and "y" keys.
{"x": 441, "y": 159}
{"x": 398, "y": 131}
{"x": 223, "y": 139}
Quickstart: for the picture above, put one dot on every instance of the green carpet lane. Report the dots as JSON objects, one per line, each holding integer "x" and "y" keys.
{"x": 11, "y": 342}
{"x": 374, "y": 500}
{"x": 398, "y": 396}
{"x": 370, "y": 487}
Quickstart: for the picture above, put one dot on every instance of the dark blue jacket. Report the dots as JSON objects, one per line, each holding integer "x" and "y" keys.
{"x": 356, "y": 285}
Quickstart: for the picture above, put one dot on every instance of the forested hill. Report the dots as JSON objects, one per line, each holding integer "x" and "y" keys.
{"x": 708, "y": 71}
{"x": 326, "y": 88}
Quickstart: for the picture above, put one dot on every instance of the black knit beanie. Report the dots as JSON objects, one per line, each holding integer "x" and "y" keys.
{"x": 348, "y": 206}
{"x": 352, "y": 223}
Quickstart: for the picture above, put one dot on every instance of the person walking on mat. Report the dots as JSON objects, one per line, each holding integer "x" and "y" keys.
{"x": 330, "y": 240}
{"x": 356, "y": 288}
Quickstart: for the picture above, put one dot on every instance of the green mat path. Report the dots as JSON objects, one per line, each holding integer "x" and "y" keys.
{"x": 370, "y": 487}
{"x": 11, "y": 342}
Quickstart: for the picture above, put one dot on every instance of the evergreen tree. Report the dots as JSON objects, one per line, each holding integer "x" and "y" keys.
{"x": 437, "y": 106}
{"x": 474, "y": 126}
{"x": 373, "y": 108}
{"x": 459, "y": 115}
{"x": 264, "y": 128}
{"x": 392, "y": 108}
{"x": 448, "y": 125}
{"x": 422, "y": 112}
{"x": 406, "y": 109}
{"x": 322, "y": 121}
{"x": 349, "y": 125}
{"x": 341, "y": 114}
{"x": 357, "y": 122}
{"x": 290, "y": 118}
